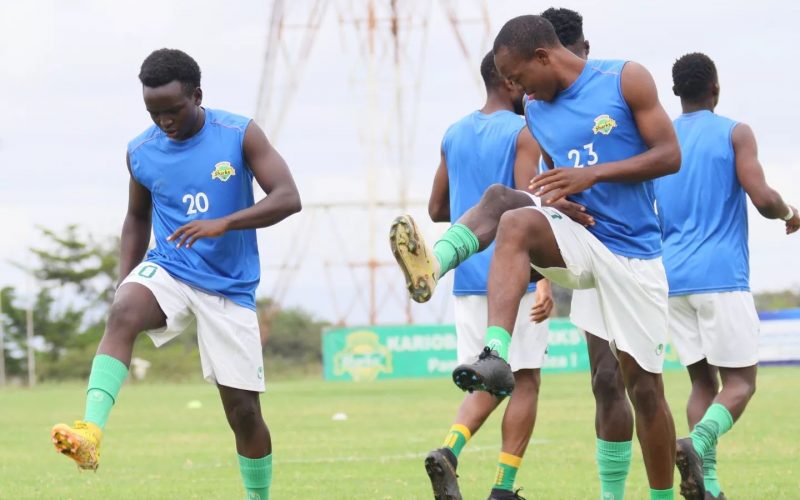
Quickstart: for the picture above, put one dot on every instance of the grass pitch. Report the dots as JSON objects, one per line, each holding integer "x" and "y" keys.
{"x": 157, "y": 446}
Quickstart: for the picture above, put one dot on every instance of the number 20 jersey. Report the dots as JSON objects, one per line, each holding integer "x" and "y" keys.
{"x": 587, "y": 124}
{"x": 202, "y": 177}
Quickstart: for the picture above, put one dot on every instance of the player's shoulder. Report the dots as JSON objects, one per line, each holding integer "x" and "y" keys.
{"x": 226, "y": 119}
{"x": 607, "y": 67}
{"x": 150, "y": 135}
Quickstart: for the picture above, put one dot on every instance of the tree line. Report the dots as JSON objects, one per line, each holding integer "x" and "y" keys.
{"x": 76, "y": 274}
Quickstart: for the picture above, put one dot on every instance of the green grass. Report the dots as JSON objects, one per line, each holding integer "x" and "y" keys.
{"x": 156, "y": 447}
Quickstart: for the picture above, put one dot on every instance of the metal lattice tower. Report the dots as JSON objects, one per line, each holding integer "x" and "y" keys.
{"x": 384, "y": 44}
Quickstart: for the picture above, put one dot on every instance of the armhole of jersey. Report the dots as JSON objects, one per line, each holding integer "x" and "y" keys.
{"x": 619, "y": 87}
{"x": 730, "y": 139}
{"x": 241, "y": 148}
{"x": 516, "y": 141}
{"x": 132, "y": 169}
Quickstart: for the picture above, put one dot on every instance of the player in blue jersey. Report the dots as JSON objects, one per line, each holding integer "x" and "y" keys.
{"x": 601, "y": 123}
{"x": 489, "y": 146}
{"x": 191, "y": 182}
{"x": 712, "y": 317}
{"x": 613, "y": 414}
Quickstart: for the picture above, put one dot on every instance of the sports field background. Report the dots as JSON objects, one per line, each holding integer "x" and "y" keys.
{"x": 158, "y": 447}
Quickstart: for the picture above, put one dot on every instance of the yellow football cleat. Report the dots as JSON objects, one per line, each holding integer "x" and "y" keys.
{"x": 411, "y": 254}
{"x": 80, "y": 443}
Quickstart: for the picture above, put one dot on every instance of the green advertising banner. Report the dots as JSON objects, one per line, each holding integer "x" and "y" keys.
{"x": 413, "y": 351}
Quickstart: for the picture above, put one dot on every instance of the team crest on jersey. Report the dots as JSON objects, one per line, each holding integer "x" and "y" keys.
{"x": 223, "y": 171}
{"x": 603, "y": 124}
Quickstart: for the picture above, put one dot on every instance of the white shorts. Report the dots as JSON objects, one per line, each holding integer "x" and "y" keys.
{"x": 227, "y": 333}
{"x": 632, "y": 292}
{"x": 721, "y": 327}
{"x": 585, "y": 312}
{"x": 528, "y": 342}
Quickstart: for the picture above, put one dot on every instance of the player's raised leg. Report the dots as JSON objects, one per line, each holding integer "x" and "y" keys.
{"x": 253, "y": 443}
{"x": 523, "y": 236}
{"x": 134, "y": 310}
{"x": 423, "y": 267}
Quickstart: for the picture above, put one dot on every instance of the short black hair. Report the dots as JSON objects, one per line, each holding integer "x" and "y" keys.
{"x": 491, "y": 77}
{"x": 567, "y": 23}
{"x": 166, "y": 65}
{"x": 525, "y": 34}
{"x": 693, "y": 76}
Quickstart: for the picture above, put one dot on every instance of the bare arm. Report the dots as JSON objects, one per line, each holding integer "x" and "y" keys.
{"x": 662, "y": 157}
{"x": 439, "y": 202}
{"x": 751, "y": 175}
{"x": 272, "y": 174}
{"x": 136, "y": 228}
{"x": 526, "y": 164}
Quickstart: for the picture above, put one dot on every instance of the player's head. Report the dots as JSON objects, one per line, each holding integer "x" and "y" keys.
{"x": 569, "y": 29}
{"x": 694, "y": 79}
{"x": 523, "y": 53}
{"x": 496, "y": 84}
{"x": 171, "y": 88}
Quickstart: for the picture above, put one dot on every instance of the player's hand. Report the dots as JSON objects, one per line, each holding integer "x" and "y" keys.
{"x": 187, "y": 234}
{"x": 543, "y": 306}
{"x": 793, "y": 224}
{"x": 558, "y": 183}
{"x": 574, "y": 211}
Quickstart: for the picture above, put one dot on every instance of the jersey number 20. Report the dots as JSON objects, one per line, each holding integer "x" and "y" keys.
{"x": 197, "y": 203}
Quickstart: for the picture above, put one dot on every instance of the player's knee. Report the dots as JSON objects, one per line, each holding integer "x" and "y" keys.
{"x": 607, "y": 385}
{"x": 245, "y": 415}
{"x": 497, "y": 198}
{"x": 709, "y": 385}
{"x": 517, "y": 221}
{"x": 646, "y": 397}
{"x": 527, "y": 381}
{"x": 124, "y": 320}
{"x": 743, "y": 390}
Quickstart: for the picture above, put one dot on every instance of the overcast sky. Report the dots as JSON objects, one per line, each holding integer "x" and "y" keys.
{"x": 71, "y": 102}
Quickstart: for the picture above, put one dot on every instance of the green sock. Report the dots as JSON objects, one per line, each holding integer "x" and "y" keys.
{"x": 613, "y": 462}
{"x": 710, "y": 472}
{"x": 454, "y": 247}
{"x": 507, "y": 467}
{"x": 256, "y": 476}
{"x": 716, "y": 422}
{"x": 457, "y": 438}
{"x": 661, "y": 494}
{"x": 105, "y": 379}
{"x": 498, "y": 340}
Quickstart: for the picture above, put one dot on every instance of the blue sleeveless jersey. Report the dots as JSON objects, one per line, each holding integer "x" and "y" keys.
{"x": 479, "y": 150}
{"x": 588, "y": 124}
{"x": 703, "y": 210}
{"x": 203, "y": 177}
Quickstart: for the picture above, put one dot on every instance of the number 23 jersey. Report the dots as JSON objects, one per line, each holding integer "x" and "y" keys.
{"x": 590, "y": 123}
{"x": 203, "y": 177}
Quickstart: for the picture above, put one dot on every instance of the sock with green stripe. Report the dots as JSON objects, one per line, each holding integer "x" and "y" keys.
{"x": 457, "y": 438}
{"x": 662, "y": 494}
{"x": 454, "y": 247}
{"x": 613, "y": 462}
{"x": 256, "y": 476}
{"x": 716, "y": 422}
{"x": 710, "y": 472}
{"x": 498, "y": 339}
{"x": 105, "y": 380}
{"x": 507, "y": 467}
